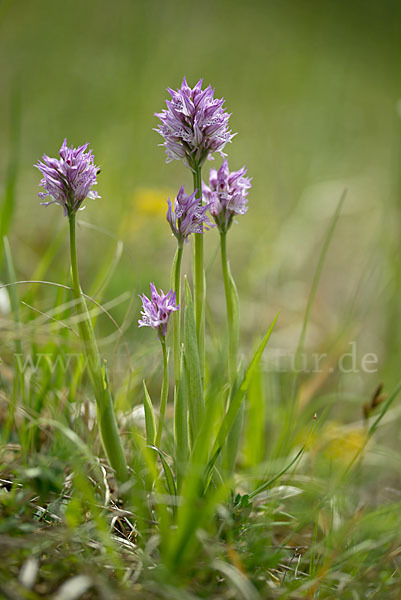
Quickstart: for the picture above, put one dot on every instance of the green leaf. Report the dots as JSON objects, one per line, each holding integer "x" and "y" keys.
{"x": 234, "y": 320}
{"x": 254, "y": 435}
{"x": 231, "y": 446}
{"x": 150, "y": 423}
{"x": 181, "y": 425}
{"x": 195, "y": 513}
{"x": 170, "y": 482}
{"x": 239, "y": 394}
{"x": 192, "y": 367}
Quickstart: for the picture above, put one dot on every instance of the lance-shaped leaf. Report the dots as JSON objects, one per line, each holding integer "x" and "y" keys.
{"x": 150, "y": 423}
{"x": 239, "y": 395}
{"x": 181, "y": 425}
{"x": 192, "y": 367}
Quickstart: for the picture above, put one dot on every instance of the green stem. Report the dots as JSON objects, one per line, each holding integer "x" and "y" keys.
{"x": 176, "y": 281}
{"x": 232, "y": 327}
{"x": 104, "y": 402}
{"x": 164, "y": 392}
{"x": 199, "y": 279}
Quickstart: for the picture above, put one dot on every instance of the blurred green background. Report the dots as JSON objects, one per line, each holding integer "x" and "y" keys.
{"x": 314, "y": 89}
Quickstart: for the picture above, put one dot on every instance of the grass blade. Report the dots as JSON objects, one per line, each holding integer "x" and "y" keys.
{"x": 19, "y": 382}
{"x": 8, "y": 204}
{"x": 316, "y": 276}
{"x": 170, "y": 482}
{"x": 267, "y": 484}
{"x": 289, "y": 425}
{"x": 150, "y": 422}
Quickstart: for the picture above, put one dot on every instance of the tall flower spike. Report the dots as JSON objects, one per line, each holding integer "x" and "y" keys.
{"x": 156, "y": 310}
{"x": 68, "y": 180}
{"x": 227, "y": 194}
{"x": 187, "y": 216}
{"x": 194, "y": 124}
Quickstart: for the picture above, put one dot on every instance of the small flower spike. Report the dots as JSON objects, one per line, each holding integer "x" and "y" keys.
{"x": 156, "y": 310}
{"x": 187, "y": 216}
{"x": 194, "y": 124}
{"x": 227, "y": 195}
{"x": 68, "y": 180}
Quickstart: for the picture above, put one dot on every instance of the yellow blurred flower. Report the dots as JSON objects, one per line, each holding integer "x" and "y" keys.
{"x": 335, "y": 440}
{"x": 342, "y": 443}
{"x": 146, "y": 203}
{"x": 151, "y": 201}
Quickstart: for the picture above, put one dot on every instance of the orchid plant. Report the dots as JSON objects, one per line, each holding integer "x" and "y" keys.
{"x": 68, "y": 181}
{"x": 194, "y": 126}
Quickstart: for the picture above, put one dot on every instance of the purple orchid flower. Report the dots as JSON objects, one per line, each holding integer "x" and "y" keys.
{"x": 227, "y": 194}
{"x": 156, "y": 310}
{"x": 188, "y": 215}
{"x": 68, "y": 180}
{"x": 194, "y": 124}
